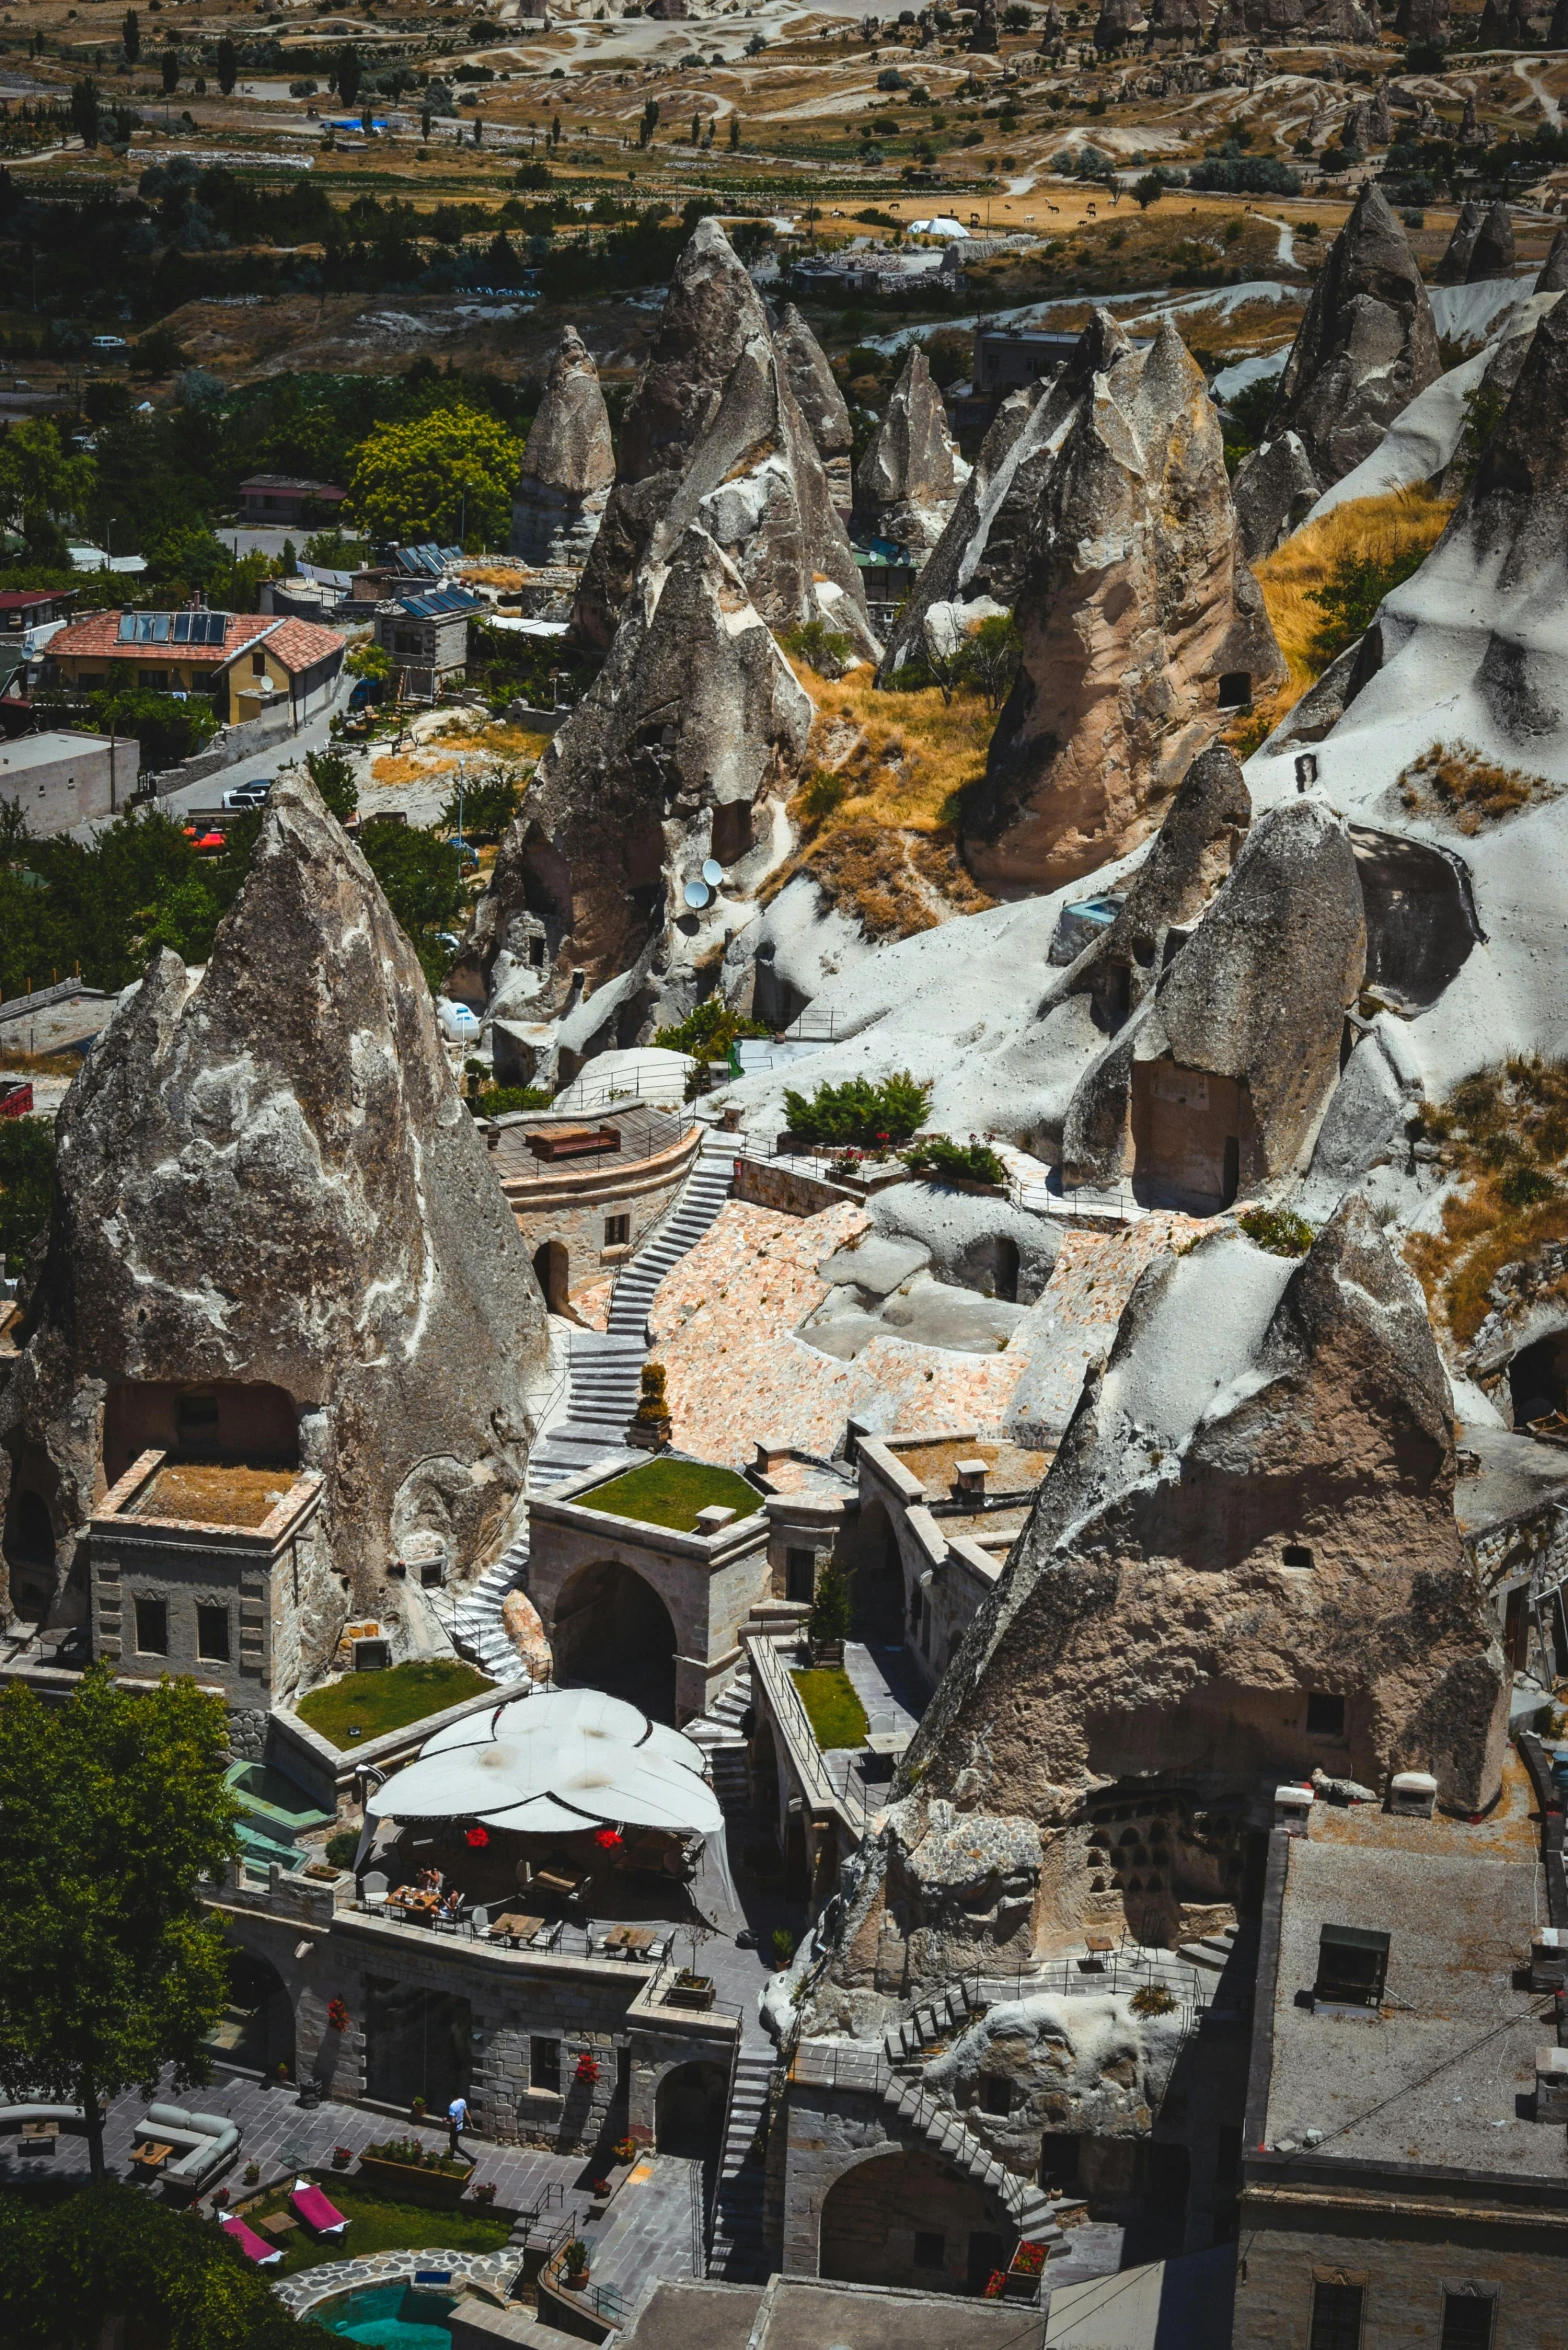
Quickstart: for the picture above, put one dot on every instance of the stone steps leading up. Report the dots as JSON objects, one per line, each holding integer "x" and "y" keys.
{"x": 605, "y": 1383}
{"x": 736, "y": 2248}
{"x": 1032, "y": 2210}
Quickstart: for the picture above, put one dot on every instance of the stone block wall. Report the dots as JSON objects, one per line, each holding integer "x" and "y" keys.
{"x": 1404, "y": 2266}
{"x": 575, "y": 1209}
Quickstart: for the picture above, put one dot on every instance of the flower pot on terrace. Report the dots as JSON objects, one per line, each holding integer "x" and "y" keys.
{"x": 696, "y": 1994}
{"x": 438, "y": 2190}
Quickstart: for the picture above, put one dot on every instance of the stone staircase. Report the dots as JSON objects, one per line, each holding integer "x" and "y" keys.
{"x": 702, "y": 1195}
{"x": 605, "y": 1381}
{"x": 933, "y": 2019}
{"x": 1210, "y": 1953}
{"x": 718, "y": 1732}
{"x": 736, "y": 2248}
{"x": 1032, "y": 2210}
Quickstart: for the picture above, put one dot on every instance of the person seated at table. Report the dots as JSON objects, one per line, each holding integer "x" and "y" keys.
{"x": 430, "y": 1880}
{"x": 452, "y": 1905}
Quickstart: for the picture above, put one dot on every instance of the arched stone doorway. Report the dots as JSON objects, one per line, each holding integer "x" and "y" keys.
{"x": 29, "y": 1553}
{"x": 689, "y": 2111}
{"x": 552, "y": 1271}
{"x": 255, "y": 2032}
{"x": 1538, "y": 1381}
{"x": 611, "y": 1630}
{"x": 904, "y": 2219}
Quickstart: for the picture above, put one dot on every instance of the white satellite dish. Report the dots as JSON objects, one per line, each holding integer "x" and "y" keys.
{"x": 712, "y": 872}
{"x": 696, "y": 893}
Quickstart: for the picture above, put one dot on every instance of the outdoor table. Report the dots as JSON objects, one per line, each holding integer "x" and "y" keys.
{"x": 414, "y": 1901}
{"x": 279, "y": 2224}
{"x": 513, "y": 1927}
{"x": 151, "y": 2157}
{"x": 567, "y": 1887}
{"x": 629, "y": 1941}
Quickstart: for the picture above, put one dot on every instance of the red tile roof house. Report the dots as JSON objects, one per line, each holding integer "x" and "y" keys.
{"x": 283, "y": 498}
{"x": 249, "y": 662}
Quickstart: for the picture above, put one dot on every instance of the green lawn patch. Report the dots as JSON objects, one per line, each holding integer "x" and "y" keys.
{"x": 670, "y": 1493}
{"x": 377, "y": 2224}
{"x": 372, "y": 1703}
{"x": 834, "y": 1711}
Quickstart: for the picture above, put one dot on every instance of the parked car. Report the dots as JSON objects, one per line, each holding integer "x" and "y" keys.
{"x": 249, "y": 795}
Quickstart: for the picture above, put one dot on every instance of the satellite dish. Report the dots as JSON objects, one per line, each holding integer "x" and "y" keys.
{"x": 696, "y": 893}
{"x": 712, "y": 872}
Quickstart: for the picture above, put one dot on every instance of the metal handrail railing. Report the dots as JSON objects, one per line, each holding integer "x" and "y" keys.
{"x": 790, "y": 1711}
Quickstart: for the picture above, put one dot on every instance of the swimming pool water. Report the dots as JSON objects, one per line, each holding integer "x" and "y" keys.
{"x": 391, "y": 2317}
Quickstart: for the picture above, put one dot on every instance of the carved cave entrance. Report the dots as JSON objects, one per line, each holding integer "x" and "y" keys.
{"x": 903, "y": 2219}
{"x": 224, "y": 1420}
{"x": 689, "y": 2111}
{"x": 552, "y": 1271}
{"x": 612, "y": 1631}
{"x": 1193, "y": 1137}
{"x": 1538, "y": 1382}
{"x": 255, "y": 2032}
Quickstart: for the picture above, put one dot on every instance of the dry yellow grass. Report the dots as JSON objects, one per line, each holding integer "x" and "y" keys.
{"x": 878, "y": 809}
{"x": 1382, "y": 529}
{"x": 1504, "y": 1134}
{"x": 1453, "y": 779}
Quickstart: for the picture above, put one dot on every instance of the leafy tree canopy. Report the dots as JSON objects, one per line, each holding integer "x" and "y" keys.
{"x": 450, "y": 471}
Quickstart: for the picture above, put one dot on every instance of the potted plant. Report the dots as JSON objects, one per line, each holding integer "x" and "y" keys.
{"x": 783, "y": 1947}
{"x": 485, "y": 2191}
{"x": 1024, "y": 2271}
{"x": 651, "y": 1424}
{"x": 626, "y": 2150}
{"x": 418, "y": 2109}
{"x": 252, "y": 2174}
{"x": 574, "y": 2262}
{"x": 970, "y": 1166}
{"x": 415, "y": 2173}
{"x": 342, "y": 2156}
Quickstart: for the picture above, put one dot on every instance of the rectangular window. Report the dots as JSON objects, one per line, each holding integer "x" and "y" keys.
{"x": 544, "y": 2064}
{"x": 617, "y": 1231}
{"x": 1336, "y": 2317}
{"x": 212, "y": 1634}
{"x": 800, "y": 1576}
{"x": 929, "y": 2248}
{"x": 258, "y": 664}
{"x": 1325, "y": 1716}
{"x": 1467, "y": 2321}
{"x": 152, "y": 1627}
{"x": 996, "y": 2095}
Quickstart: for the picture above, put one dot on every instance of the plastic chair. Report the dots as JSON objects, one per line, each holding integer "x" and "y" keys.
{"x": 479, "y": 1921}
{"x": 373, "y": 1890}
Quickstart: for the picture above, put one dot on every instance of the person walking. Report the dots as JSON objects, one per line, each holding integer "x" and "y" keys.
{"x": 456, "y": 2121}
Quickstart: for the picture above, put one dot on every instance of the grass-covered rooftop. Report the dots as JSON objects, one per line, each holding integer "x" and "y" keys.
{"x": 670, "y": 1493}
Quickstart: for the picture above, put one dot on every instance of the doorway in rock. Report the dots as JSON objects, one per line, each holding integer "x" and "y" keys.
{"x": 906, "y": 2219}
{"x": 1538, "y": 1381}
{"x": 552, "y": 1271}
{"x": 689, "y": 2111}
{"x": 612, "y": 1631}
{"x": 255, "y": 2033}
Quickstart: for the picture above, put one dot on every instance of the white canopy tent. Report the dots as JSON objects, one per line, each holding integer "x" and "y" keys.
{"x": 557, "y": 1762}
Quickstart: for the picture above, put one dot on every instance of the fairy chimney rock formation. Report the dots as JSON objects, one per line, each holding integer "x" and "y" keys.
{"x": 272, "y": 1200}
{"x": 1274, "y": 491}
{"x": 568, "y": 464}
{"x": 710, "y": 313}
{"x": 713, "y": 434}
{"x": 1554, "y": 276}
{"x": 1253, "y": 1504}
{"x": 1454, "y": 267}
{"x": 911, "y": 474}
{"x": 1492, "y": 254}
{"x": 1142, "y": 626}
{"x": 1215, "y": 1087}
{"x": 821, "y": 403}
{"x": 685, "y": 748}
{"x": 1365, "y": 348}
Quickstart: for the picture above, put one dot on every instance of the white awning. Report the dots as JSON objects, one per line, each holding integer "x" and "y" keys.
{"x": 561, "y": 1759}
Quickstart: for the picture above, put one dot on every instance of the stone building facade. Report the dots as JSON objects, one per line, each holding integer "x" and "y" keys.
{"x": 550, "y": 2050}
{"x": 200, "y": 1568}
{"x": 583, "y": 1216}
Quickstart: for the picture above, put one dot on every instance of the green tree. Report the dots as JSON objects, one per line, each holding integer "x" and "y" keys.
{"x": 346, "y": 74}
{"x": 72, "y": 2272}
{"x": 26, "y": 1185}
{"x": 435, "y": 476}
{"x": 228, "y": 66}
{"x": 1148, "y": 189}
{"x": 113, "y": 1810}
{"x": 84, "y": 111}
{"x": 169, "y": 68}
{"x": 166, "y": 727}
{"x": 832, "y": 1608}
{"x": 42, "y": 486}
{"x": 421, "y": 878}
{"x": 332, "y": 773}
{"x": 486, "y": 806}
{"x": 131, "y": 36}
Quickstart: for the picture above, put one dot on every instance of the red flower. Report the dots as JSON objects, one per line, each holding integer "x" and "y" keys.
{"x": 338, "y": 2016}
{"x": 996, "y": 2286}
{"x": 607, "y": 1838}
{"x": 478, "y": 1838}
{"x": 587, "y": 2069}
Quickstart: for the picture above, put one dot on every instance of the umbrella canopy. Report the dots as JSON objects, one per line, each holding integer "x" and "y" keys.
{"x": 561, "y": 1758}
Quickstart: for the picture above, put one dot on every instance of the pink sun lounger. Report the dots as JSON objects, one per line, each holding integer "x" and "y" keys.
{"x": 264, "y": 2255}
{"x": 322, "y": 2217}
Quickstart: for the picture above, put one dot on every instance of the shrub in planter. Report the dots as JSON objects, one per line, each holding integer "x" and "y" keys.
{"x": 485, "y": 2191}
{"x": 575, "y": 2260}
{"x": 859, "y": 1112}
{"x": 252, "y": 2174}
{"x": 342, "y": 2156}
{"x": 955, "y": 1162}
{"x": 783, "y": 1946}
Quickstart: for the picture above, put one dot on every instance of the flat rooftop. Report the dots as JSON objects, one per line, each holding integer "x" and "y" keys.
{"x": 934, "y": 1460}
{"x": 670, "y": 1493}
{"x": 255, "y": 1497}
{"x": 814, "y": 2313}
{"x": 1437, "y": 2076}
{"x": 1503, "y": 1475}
{"x": 642, "y": 1133}
{"x": 25, "y": 751}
